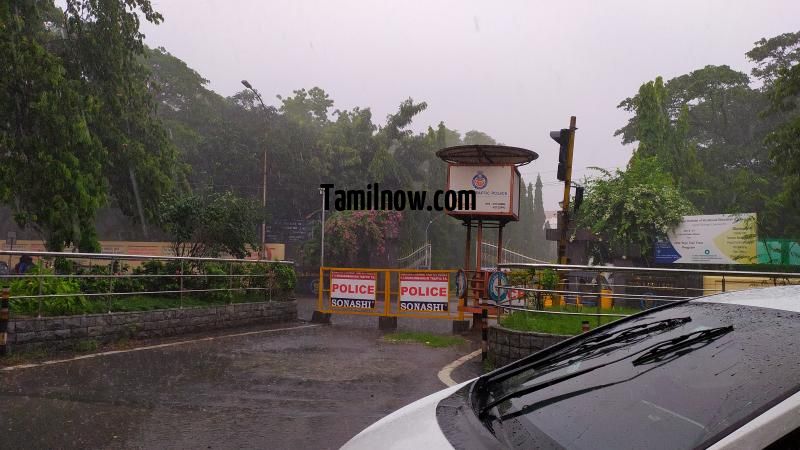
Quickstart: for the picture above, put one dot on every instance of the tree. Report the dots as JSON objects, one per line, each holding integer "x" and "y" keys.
{"x": 75, "y": 108}
{"x": 713, "y": 138}
{"x": 662, "y": 132}
{"x": 778, "y": 65}
{"x": 542, "y": 249}
{"x": 209, "y": 224}
{"x": 630, "y": 209}
{"x": 476, "y": 137}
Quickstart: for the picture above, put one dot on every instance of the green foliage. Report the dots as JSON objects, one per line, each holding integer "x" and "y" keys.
{"x": 66, "y": 304}
{"x": 281, "y": 279}
{"x": 662, "y": 131}
{"x": 351, "y": 236}
{"x": 773, "y": 56}
{"x": 429, "y": 339}
{"x": 631, "y": 208}
{"x": 558, "y": 323}
{"x": 548, "y": 279}
{"x": 86, "y": 345}
{"x": 285, "y": 277}
{"x": 74, "y": 105}
{"x": 520, "y": 277}
{"x": 779, "y": 61}
{"x": 207, "y": 225}
{"x": 729, "y": 146}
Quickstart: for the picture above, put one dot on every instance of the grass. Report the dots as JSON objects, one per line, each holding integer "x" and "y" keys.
{"x": 16, "y": 358}
{"x": 429, "y": 339}
{"x": 86, "y": 345}
{"x": 560, "y": 324}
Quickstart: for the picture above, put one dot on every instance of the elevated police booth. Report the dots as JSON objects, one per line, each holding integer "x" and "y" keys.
{"x": 492, "y": 171}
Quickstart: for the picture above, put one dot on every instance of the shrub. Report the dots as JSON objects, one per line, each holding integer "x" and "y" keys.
{"x": 284, "y": 280}
{"x": 520, "y": 277}
{"x": 548, "y": 279}
{"x": 68, "y": 304}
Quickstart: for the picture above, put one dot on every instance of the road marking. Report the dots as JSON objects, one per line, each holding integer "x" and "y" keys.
{"x": 444, "y": 374}
{"x": 148, "y": 347}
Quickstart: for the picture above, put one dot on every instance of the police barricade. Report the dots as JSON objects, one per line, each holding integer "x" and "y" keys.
{"x": 416, "y": 293}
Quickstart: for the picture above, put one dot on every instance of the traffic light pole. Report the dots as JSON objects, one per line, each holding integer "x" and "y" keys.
{"x": 562, "y": 242}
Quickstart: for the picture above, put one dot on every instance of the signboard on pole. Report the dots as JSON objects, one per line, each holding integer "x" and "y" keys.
{"x": 424, "y": 292}
{"x": 353, "y": 290}
{"x": 496, "y": 189}
{"x": 710, "y": 239}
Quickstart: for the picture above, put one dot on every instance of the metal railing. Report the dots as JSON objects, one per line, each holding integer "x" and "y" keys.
{"x": 489, "y": 256}
{"x": 94, "y": 281}
{"x": 610, "y": 291}
{"x": 418, "y": 259}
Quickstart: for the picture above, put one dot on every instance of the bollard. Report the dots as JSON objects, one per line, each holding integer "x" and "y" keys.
{"x": 585, "y": 326}
{"x": 484, "y": 333}
{"x": 180, "y": 284}
{"x": 39, "y": 299}
{"x": 110, "y": 292}
{"x": 4, "y": 322}
{"x": 230, "y": 283}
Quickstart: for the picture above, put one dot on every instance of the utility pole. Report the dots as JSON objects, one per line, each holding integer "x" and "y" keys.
{"x": 262, "y": 252}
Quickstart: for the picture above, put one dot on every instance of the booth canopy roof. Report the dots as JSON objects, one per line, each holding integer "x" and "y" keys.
{"x": 487, "y": 154}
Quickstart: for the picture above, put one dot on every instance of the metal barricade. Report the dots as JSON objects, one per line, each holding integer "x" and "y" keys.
{"x": 414, "y": 293}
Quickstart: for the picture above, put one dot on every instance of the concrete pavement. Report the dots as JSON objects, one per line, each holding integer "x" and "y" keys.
{"x": 312, "y": 387}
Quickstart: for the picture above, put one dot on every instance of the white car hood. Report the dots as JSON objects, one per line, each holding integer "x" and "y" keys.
{"x": 413, "y": 426}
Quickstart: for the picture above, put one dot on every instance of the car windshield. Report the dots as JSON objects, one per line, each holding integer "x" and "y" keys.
{"x": 651, "y": 395}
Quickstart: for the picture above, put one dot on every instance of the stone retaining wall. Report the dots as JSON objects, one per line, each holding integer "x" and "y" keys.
{"x": 506, "y": 346}
{"x": 68, "y": 331}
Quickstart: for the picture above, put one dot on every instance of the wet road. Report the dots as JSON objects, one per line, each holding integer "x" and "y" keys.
{"x": 312, "y": 387}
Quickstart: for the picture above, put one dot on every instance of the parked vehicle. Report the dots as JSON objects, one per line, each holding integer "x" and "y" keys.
{"x": 717, "y": 372}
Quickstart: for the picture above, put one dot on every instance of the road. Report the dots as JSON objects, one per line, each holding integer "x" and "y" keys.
{"x": 308, "y": 386}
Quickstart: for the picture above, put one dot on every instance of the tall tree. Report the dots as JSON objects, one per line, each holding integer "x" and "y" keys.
{"x": 475, "y": 137}
{"x": 631, "y": 208}
{"x": 542, "y": 247}
{"x": 662, "y": 132}
{"x": 778, "y": 66}
{"x": 76, "y": 109}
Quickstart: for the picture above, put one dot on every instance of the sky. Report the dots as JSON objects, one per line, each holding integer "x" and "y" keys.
{"x": 512, "y": 69}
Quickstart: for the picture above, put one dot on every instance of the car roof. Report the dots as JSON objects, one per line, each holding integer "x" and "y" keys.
{"x": 786, "y": 298}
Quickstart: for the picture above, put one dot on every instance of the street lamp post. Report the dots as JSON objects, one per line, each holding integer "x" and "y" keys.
{"x": 427, "y": 242}
{"x": 262, "y": 253}
{"x": 322, "y": 244}
{"x": 428, "y": 226}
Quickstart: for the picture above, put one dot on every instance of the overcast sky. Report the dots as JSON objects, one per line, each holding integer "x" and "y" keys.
{"x": 513, "y": 69}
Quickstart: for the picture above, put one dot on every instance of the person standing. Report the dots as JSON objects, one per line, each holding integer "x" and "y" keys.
{"x": 24, "y": 264}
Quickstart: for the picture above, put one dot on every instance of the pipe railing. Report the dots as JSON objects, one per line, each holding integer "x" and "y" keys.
{"x": 573, "y": 267}
{"x": 185, "y": 277}
{"x": 579, "y": 288}
{"x": 117, "y": 256}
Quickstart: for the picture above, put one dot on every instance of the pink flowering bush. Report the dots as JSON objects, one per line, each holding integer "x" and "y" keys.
{"x": 351, "y": 236}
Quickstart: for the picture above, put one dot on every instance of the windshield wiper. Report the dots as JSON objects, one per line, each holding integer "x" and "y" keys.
{"x": 684, "y": 342}
{"x": 649, "y": 354}
{"x": 590, "y": 344}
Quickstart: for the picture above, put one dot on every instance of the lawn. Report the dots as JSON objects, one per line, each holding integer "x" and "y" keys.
{"x": 557, "y": 323}
{"x": 429, "y": 339}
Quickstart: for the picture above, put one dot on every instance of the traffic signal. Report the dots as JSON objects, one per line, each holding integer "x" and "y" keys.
{"x": 562, "y": 137}
{"x": 578, "y": 197}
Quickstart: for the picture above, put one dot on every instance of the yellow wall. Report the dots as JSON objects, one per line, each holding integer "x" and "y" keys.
{"x": 275, "y": 252}
{"x": 713, "y": 284}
